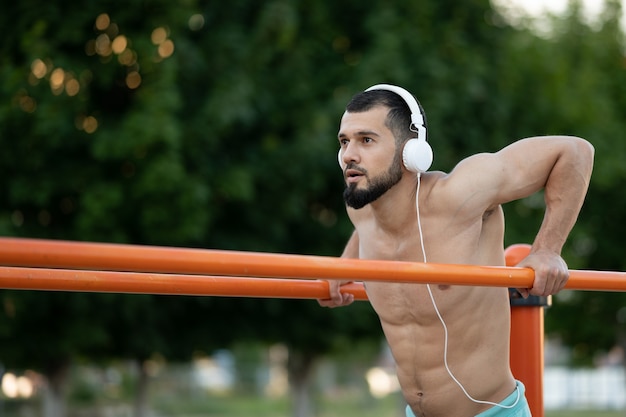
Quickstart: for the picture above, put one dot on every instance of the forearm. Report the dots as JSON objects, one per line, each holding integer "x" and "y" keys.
{"x": 565, "y": 192}
{"x": 336, "y": 298}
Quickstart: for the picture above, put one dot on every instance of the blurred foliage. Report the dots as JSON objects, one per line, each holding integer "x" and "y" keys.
{"x": 214, "y": 126}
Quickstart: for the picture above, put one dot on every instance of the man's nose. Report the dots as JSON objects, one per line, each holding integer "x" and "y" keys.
{"x": 350, "y": 154}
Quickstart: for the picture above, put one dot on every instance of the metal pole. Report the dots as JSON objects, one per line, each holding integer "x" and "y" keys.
{"x": 172, "y": 284}
{"x": 527, "y": 337}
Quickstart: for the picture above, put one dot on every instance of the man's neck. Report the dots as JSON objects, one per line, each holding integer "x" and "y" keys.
{"x": 394, "y": 212}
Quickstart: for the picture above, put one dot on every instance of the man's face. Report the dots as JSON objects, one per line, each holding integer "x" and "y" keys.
{"x": 368, "y": 153}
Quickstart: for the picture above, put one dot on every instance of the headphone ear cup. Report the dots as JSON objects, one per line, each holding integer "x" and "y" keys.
{"x": 341, "y": 164}
{"x": 417, "y": 155}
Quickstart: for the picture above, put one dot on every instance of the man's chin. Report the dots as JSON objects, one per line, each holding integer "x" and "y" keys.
{"x": 353, "y": 203}
{"x": 358, "y": 202}
{"x": 355, "y": 207}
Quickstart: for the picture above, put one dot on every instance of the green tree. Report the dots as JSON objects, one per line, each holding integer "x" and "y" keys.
{"x": 130, "y": 163}
{"x": 571, "y": 81}
{"x": 205, "y": 125}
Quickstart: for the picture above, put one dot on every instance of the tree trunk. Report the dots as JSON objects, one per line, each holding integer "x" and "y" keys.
{"x": 621, "y": 342}
{"x": 141, "y": 395}
{"x": 300, "y": 369}
{"x": 53, "y": 404}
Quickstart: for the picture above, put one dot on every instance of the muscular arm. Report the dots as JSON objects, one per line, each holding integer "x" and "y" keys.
{"x": 565, "y": 191}
{"x": 337, "y": 298}
{"x": 560, "y": 165}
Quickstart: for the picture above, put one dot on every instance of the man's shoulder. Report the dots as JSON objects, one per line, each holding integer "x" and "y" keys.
{"x": 435, "y": 175}
{"x": 436, "y": 184}
{"x": 456, "y": 193}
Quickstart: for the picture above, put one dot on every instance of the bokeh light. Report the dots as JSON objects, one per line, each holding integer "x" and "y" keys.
{"x": 133, "y": 80}
{"x": 103, "y": 21}
{"x": 27, "y": 103}
{"x": 90, "y": 124}
{"x": 14, "y": 386}
{"x": 72, "y": 87}
{"x": 196, "y": 22}
{"x": 381, "y": 383}
{"x": 159, "y": 35}
{"x": 9, "y": 385}
{"x": 39, "y": 68}
{"x": 166, "y": 49}
{"x": 119, "y": 44}
{"x": 128, "y": 57}
{"x": 57, "y": 80}
{"x": 103, "y": 45}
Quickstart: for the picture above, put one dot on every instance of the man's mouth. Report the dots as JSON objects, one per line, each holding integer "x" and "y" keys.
{"x": 353, "y": 175}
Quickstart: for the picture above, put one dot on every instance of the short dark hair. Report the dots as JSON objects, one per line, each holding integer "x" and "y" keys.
{"x": 399, "y": 117}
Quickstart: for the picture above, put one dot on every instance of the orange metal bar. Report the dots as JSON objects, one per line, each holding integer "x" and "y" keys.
{"x": 527, "y": 337}
{"x": 191, "y": 272}
{"x": 103, "y": 256}
{"x": 527, "y": 353}
{"x": 173, "y": 284}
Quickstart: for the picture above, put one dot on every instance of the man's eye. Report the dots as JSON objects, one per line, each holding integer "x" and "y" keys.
{"x": 367, "y": 140}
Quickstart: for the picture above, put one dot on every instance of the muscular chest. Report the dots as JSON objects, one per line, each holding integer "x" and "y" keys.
{"x": 444, "y": 240}
{"x": 403, "y": 245}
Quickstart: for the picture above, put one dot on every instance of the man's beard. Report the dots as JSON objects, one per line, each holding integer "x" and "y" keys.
{"x": 359, "y": 198}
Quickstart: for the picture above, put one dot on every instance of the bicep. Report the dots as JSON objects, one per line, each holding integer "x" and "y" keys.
{"x": 486, "y": 180}
{"x": 525, "y": 167}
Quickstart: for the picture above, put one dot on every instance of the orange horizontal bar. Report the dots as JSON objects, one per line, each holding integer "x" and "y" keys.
{"x": 106, "y": 256}
{"x": 124, "y": 257}
{"x": 172, "y": 284}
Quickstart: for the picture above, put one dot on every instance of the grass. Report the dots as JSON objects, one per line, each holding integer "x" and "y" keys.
{"x": 344, "y": 406}
{"x": 259, "y": 407}
{"x": 585, "y": 413}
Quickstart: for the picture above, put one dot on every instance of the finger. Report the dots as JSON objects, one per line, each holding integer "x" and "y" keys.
{"x": 332, "y": 304}
{"x": 335, "y": 292}
{"x": 547, "y": 280}
{"x": 343, "y": 299}
{"x": 557, "y": 280}
{"x": 335, "y": 297}
{"x": 325, "y": 302}
{"x": 564, "y": 279}
{"x": 539, "y": 285}
{"x": 329, "y": 303}
{"x": 555, "y": 277}
{"x": 347, "y": 299}
{"x": 555, "y": 285}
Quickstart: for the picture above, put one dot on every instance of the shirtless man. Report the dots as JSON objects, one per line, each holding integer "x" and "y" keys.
{"x": 451, "y": 343}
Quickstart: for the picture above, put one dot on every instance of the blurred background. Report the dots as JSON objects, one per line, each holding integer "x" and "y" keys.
{"x": 213, "y": 125}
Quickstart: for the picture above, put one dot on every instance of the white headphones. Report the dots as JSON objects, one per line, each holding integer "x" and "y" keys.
{"x": 417, "y": 155}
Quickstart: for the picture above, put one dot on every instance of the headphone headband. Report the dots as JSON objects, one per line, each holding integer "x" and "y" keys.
{"x": 417, "y": 154}
{"x": 417, "y": 119}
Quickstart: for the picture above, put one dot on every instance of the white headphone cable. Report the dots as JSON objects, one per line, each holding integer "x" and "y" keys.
{"x": 443, "y": 323}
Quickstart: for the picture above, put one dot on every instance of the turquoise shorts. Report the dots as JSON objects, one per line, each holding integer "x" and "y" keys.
{"x": 520, "y": 409}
